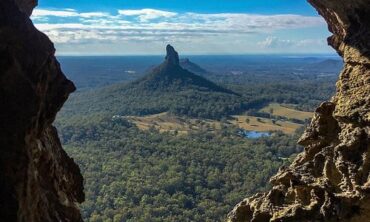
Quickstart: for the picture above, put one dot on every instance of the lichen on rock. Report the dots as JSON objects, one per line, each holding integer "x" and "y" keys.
{"x": 330, "y": 180}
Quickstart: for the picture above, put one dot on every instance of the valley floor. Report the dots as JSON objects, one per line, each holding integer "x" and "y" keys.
{"x": 281, "y": 118}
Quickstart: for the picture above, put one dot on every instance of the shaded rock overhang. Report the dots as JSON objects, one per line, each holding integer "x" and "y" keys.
{"x": 38, "y": 181}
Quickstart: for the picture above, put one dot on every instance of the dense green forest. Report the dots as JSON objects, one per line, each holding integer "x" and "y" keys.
{"x": 253, "y": 92}
{"x": 303, "y": 95}
{"x": 132, "y": 101}
{"x": 133, "y": 175}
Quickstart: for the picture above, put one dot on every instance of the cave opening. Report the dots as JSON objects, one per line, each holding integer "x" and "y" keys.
{"x": 173, "y": 142}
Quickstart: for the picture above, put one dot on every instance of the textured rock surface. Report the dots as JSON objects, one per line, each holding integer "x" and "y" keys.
{"x": 38, "y": 181}
{"x": 172, "y": 56}
{"x": 330, "y": 180}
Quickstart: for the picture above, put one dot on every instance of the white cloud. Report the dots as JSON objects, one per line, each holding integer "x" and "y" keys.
{"x": 93, "y": 14}
{"x": 146, "y": 15}
{"x": 222, "y": 22}
{"x": 55, "y": 27}
{"x": 312, "y": 42}
{"x": 58, "y": 13}
{"x": 69, "y": 26}
{"x": 273, "y": 42}
{"x": 65, "y": 13}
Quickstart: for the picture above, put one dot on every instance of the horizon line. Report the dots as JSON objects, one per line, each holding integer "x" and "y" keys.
{"x": 199, "y": 54}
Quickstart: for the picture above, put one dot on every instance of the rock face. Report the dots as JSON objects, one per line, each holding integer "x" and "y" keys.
{"x": 330, "y": 180}
{"x": 172, "y": 56}
{"x": 38, "y": 181}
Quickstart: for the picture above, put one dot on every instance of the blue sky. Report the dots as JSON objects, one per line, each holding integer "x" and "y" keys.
{"x": 143, "y": 27}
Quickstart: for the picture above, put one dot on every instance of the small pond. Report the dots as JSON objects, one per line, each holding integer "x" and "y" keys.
{"x": 253, "y": 134}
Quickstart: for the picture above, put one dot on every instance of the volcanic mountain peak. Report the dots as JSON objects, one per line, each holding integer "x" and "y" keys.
{"x": 171, "y": 76}
{"x": 172, "y": 56}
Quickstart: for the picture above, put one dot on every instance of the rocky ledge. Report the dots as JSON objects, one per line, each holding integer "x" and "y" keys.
{"x": 38, "y": 181}
{"x": 330, "y": 180}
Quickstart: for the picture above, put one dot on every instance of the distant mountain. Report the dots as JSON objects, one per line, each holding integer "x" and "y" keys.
{"x": 192, "y": 67}
{"x": 167, "y": 88}
{"x": 170, "y": 76}
{"x": 188, "y": 65}
{"x": 328, "y": 65}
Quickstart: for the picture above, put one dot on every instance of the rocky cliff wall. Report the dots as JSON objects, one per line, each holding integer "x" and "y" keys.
{"x": 38, "y": 181}
{"x": 330, "y": 180}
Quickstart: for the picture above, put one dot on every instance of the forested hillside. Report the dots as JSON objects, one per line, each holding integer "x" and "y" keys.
{"x": 167, "y": 88}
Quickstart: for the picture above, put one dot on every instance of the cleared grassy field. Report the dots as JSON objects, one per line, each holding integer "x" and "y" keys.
{"x": 169, "y": 123}
{"x": 252, "y": 123}
{"x": 165, "y": 122}
{"x": 280, "y": 110}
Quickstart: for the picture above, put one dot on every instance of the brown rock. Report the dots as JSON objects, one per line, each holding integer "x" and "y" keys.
{"x": 38, "y": 181}
{"x": 330, "y": 180}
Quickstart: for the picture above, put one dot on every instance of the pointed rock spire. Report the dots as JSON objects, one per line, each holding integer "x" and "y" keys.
{"x": 172, "y": 56}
